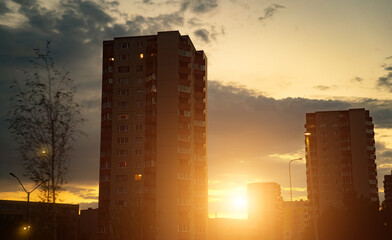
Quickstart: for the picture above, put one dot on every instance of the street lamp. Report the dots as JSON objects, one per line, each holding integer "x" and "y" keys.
{"x": 291, "y": 191}
{"x": 291, "y": 196}
{"x": 28, "y": 199}
{"x": 307, "y": 135}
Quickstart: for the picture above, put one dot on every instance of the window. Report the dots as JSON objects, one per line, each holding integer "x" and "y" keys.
{"x": 138, "y": 152}
{"x": 123, "y": 116}
{"x": 123, "y": 140}
{"x": 184, "y": 150}
{"x": 110, "y": 80}
{"x": 139, "y": 80}
{"x": 122, "y": 153}
{"x": 105, "y": 165}
{"x": 184, "y": 53}
{"x": 121, "y": 190}
{"x": 123, "y": 81}
{"x": 138, "y": 164}
{"x": 105, "y": 178}
{"x": 121, "y": 203}
{"x": 138, "y": 177}
{"x": 106, "y": 116}
{"x": 139, "y": 68}
{"x": 110, "y": 69}
{"x": 111, "y": 59}
{"x": 107, "y": 104}
{"x": 122, "y": 104}
{"x": 139, "y": 91}
{"x": 139, "y": 44}
{"x": 124, "y": 56}
{"x": 139, "y": 104}
{"x": 123, "y": 92}
{"x": 124, "y": 45}
{"x": 183, "y": 88}
{"x": 138, "y": 139}
{"x": 121, "y": 178}
{"x": 139, "y": 116}
{"x": 139, "y": 127}
{"x": 182, "y": 175}
{"x": 123, "y": 69}
{"x": 141, "y": 55}
{"x": 121, "y": 164}
{"x": 122, "y": 128}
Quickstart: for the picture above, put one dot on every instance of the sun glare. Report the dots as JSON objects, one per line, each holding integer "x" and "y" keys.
{"x": 240, "y": 203}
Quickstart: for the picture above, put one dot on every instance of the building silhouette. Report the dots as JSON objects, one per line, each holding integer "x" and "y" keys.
{"x": 35, "y": 220}
{"x": 153, "y": 165}
{"x": 388, "y": 189}
{"x": 295, "y": 219}
{"x": 265, "y": 214}
{"x": 340, "y": 158}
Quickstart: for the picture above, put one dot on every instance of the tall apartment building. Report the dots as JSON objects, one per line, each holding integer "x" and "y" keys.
{"x": 153, "y": 165}
{"x": 388, "y": 189}
{"x": 295, "y": 219}
{"x": 340, "y": 157}
{"x": 265, "y": 211}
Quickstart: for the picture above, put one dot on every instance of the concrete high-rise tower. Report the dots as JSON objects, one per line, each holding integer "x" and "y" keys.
{"x": 340, "y": 157}
{"x": 265, "y": 214}
{"x": 153, "y": 163}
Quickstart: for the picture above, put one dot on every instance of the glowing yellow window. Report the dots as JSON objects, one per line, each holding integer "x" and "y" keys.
{"x": 138, "y": 177}
{"x": 111, "y": 59}
{"x": 141, "y": 55}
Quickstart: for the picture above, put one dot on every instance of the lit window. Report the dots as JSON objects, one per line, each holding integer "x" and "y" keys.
{"x": 121, "y": 164}
{"x": 123, "y": 116}
{"x": 141, "y": 56}
{"x": 138, "y": 177}
{"x": 111, "y": 59}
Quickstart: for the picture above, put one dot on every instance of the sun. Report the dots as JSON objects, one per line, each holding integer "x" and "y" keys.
{"x": 240, "y": 202}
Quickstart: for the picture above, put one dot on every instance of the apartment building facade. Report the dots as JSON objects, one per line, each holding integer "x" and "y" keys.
{"x": 340, "y": 157}
{"x": 265, "y": 214}
{"x": 295, "y": 219}
{"x": 153, "y": 162}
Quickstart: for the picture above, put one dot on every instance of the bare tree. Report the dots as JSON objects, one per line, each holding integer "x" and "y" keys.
{"x": 44, "y": 121}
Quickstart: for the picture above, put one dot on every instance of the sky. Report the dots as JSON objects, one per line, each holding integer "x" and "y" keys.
{"x": 269, "y": 63}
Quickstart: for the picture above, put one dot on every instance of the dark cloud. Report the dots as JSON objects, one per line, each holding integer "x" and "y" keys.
{"x": 357, "y": 79}
{"x": 208, "y": 35}
{"x": 323, "y": 87}
{"x": 76, "y": 30}
{"x": 199, "y": 6}
{"x": 270, "y": 11}
{"x": 4, "y": 8}
{"x": 254, "y": 126}
{"x": 203, "y": 34}
{"x": 386, "y": 80}
{"x": 390, "y": 57}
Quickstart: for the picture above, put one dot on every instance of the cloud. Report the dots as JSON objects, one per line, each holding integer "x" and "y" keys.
{"x": 270, "y": 11}
{"x": 208, "y": 35}
{"x": 203, "y": 34}
{"x": 324, "y": 87}
{"x": 199, "y": 6}
{"x": 4, "y": 8}
{"x": 357, "y": 79}
{"x": 386, "y": 80}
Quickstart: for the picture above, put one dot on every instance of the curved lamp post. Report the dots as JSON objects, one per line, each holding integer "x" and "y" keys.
{"x": 28, "y": 198}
